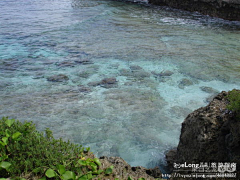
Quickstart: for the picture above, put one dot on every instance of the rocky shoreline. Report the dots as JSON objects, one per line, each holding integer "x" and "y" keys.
{"x": 209, "y": 135}
{"x": 122, "y": 170}
{"x": 226, "y": 9}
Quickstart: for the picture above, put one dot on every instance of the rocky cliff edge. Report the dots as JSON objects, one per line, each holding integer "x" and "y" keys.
{"x": 209, "y": 135}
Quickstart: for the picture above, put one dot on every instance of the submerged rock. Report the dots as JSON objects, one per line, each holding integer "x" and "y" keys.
{"x": 135, "y": 67}
{"x": 179, "y": 111}
{"x": 209, "y": 90}
{"x": 109, "y": 83}
{"x": 213, "y": 92}
{"x": 125, "y": 72}
{"x": 58, "y": 78}
{"x": 135, "y": 72}
{"x": 66, "y": 64}
{"x": 84, "y": 89}
{"x": 141, "y": 74}
{"x": 163, "y": 73}
{"x": 106, "y": 83}
{"x": 94, "y": 83}
{"x": 185, "y": 82}
{"x": 83, "y": 61}
{"x": 86, "y": 73}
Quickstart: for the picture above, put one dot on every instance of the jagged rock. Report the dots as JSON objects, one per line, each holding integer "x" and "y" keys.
{"x": 210, "y": 134}
{"x": 123, "y": 170}
{"x": 155, "y": 172}
{"x": 171, "y": 158}
{"x": 226, "y": 9}
{"x": 58, "y": 78}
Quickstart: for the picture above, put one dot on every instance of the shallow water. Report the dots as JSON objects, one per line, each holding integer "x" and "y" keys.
{"x": 140, "y": 116}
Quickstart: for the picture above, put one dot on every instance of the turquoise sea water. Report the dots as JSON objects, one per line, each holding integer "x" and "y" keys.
{"x": 167, "y": 63}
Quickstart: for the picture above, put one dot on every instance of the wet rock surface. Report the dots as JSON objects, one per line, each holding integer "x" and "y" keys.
{"x": 209, "y": 134}
{"x": 218, "y": 8}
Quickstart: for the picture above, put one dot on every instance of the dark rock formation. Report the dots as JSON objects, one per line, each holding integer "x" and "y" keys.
{"x": 58, "y": 78}
{"x": 226, "y": 9}
{"x": 209, "y": 134}
{"x": 171, "y": 158}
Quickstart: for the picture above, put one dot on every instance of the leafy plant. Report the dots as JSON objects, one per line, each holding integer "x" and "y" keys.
{"x": 25, "y": 150}
{"x": 6, "y": 138}
{"x": 234, "y": 101}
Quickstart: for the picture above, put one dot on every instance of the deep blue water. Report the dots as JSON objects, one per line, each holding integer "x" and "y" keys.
{"x": 167, "y": 63}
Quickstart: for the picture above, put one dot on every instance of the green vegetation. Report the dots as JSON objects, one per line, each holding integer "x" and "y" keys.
{"x": 28, "y": 154}
{"x": 25, "y": 152}
{"x": 234, "y": 101}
